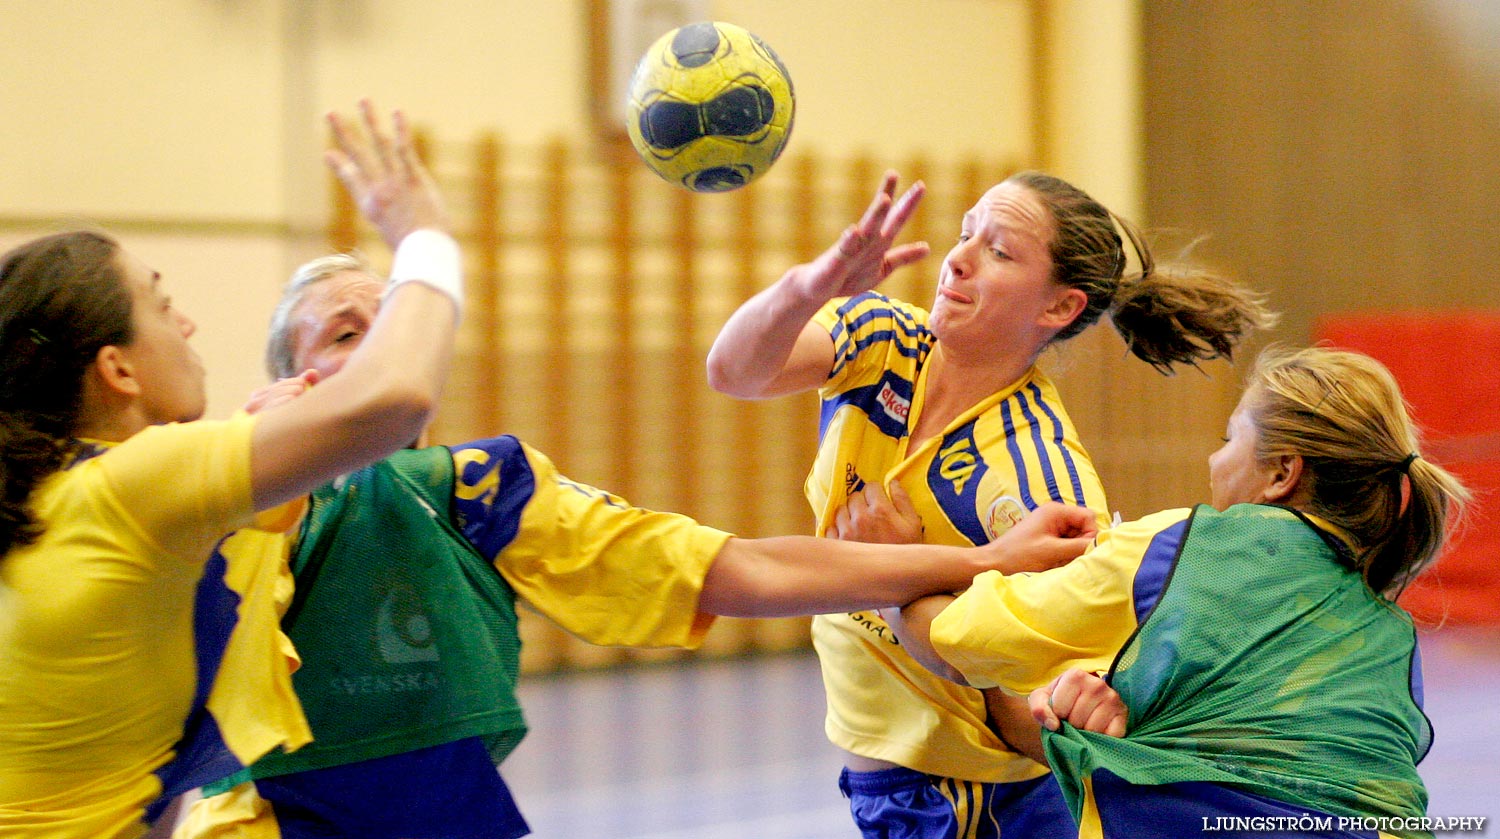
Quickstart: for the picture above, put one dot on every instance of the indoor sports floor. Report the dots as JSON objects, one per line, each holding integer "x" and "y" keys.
{"x": 734, "y": 749}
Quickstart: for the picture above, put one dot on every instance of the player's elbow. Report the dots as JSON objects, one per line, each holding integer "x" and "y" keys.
{"x": 729, "y": 378}
{"x": 396, "y": 413}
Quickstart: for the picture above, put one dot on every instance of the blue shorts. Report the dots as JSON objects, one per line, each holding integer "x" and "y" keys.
{"x": 905, "y": 804}
{"x": 452, "y": 791}
{"x": 1193, "y": 808}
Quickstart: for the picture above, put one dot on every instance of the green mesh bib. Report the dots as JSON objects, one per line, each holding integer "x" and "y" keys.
{"x": 1268, "y": 666}
{"x": 407, "y": 635}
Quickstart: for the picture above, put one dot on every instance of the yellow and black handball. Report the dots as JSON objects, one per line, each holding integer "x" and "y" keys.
{"x": 710, "y": 107}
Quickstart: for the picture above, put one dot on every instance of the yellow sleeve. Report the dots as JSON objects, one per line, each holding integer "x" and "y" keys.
{"x": 185, "y": 485}
{"x": 278, "y": 519}
{"x": 606, "y": 571}
{"x": 1018, "y": 632}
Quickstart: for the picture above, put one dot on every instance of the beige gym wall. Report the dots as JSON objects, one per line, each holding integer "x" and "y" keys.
{"x": 191, "y": 128}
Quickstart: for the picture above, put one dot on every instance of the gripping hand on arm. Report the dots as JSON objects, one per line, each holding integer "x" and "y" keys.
{"x": 768, "y": 347}
{"x": 1051, "y": 535}
{"x": 803, "y": 575}
{"x": 280, "y": 391}
{"x": 385, "y": 394}
{"x": 872, "y": 516}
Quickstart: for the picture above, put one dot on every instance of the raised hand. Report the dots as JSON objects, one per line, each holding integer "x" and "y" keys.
{"x": 384, "y": 176}
{"x": 865, "y": 253}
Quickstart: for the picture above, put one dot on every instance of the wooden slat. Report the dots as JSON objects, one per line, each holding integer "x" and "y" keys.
{"x": 557, "y": 285}
{"x": 624, "y": 397}
{"x": 685, "y": 379}
{"x": 484, "y": 285}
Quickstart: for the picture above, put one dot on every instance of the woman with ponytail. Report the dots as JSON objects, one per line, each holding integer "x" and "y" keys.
{"x": 1252, "y": 647}
{"x": 938, "y": 426}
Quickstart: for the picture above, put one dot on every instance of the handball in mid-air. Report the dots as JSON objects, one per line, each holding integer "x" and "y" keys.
{"x": 710, "y": 107}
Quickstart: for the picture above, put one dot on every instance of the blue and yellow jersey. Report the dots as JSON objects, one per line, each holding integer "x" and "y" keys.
{"x": 97, "y": 631}
{"x": 606, "y": 571}
{"x": 1002, "y": 458}
{"x": 407, "y": 634}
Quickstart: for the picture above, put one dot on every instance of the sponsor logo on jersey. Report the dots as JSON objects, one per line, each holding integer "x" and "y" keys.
{"x": 367, "y": 683}
{"x": 896, "y": 406}
{"x": 873, "y": 624}
{"x": 886, "y": 403}
{"x": 1004, "y": 513}
{"x": 954, "y": 477}
{"x": 852, "y": 481}
{"x": 403, "y": 633}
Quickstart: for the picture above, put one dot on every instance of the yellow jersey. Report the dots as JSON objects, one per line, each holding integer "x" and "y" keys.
{"x": 97, "y": 660}
{"x": 1000, "y": 459}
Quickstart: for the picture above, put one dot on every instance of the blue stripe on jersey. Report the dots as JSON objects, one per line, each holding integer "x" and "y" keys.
{"x": 1057, "y": 438}
{"x": 495, "y": 483}
{"x": 900, "y": 320}
{"x": 954, "y": 475}
{"x": 887, "y": 404}
{"x": 841, "y": 352}
{"x": 1193, "y": 808}
{"x": 1042, "y": 455}
{"x": 1156, "y": 568}
{"x": 1023, "y": 481}
{"x": 880, "y": 336}
{"x": 1416, "y": 674}
{"x": 846, "y": 330}
{"x": 201, "y": 756}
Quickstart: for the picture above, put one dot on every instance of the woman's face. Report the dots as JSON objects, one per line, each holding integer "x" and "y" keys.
{"x": 168, "y": 371}
{"x": 996, "y": 282}
{"x": 1235, "y": 476}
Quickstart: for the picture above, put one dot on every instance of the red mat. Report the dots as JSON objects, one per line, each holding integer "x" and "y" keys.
{"x": 1448, "y": 364}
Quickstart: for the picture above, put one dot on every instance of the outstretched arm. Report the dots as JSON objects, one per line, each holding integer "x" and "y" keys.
{"x": 768, "y": 347}
{"x": 803, "y": 575}
{"x": 384, "y": 396}
{"x": 1051, "y": 537}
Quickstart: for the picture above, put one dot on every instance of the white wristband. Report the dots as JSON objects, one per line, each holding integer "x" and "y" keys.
{"x": 430, "y": 257}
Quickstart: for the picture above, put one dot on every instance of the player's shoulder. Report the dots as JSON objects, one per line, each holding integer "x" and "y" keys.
{"x": 180, "y": 437}
{"x": 874, "y": 306}
{"x": 1148, "y": 526}
{"x": 489, "y": 450}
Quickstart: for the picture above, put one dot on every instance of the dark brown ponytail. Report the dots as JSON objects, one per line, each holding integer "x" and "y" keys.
{"x": 62, "y": 299}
